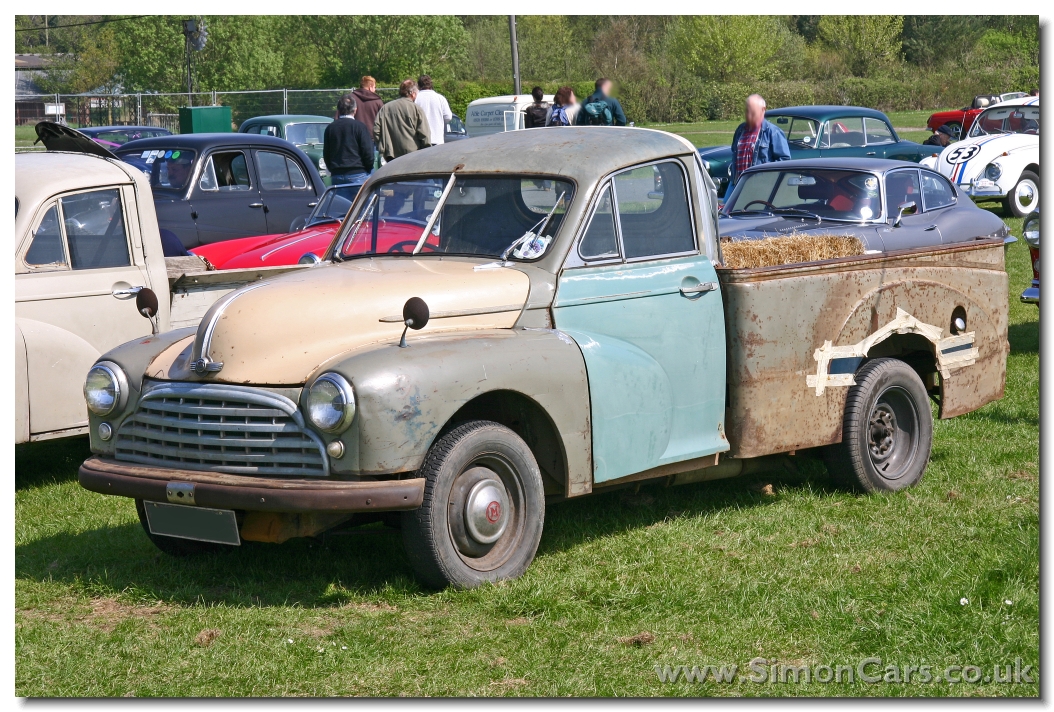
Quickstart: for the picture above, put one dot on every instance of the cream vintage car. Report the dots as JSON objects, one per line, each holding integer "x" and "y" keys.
{"x": 88, "y": 256}
{"x": 559, "y": 323}
{"x": 999, "y": 158}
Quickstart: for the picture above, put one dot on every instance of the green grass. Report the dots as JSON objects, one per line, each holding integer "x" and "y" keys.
{"x": 718, "y": 573}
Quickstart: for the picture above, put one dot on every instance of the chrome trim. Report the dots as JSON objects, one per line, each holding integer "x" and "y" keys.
{"x": 211, "y": 432}
{"x": 120, "y": 386}
{"x": 398, "y": 319}
{"x": 349, "y": 400}
{"x": 265, "y": 255}
{"x": 204, "y": 345}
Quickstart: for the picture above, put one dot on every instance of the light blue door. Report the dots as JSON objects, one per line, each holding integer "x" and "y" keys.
{"x": 646, "y": 311}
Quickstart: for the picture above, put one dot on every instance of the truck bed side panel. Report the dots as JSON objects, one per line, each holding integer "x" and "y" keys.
{"x": 777, "y": 320}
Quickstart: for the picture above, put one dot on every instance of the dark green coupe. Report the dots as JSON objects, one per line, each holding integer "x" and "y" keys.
{"x": 825, "y": 132}
{"x": 302, "y": 130}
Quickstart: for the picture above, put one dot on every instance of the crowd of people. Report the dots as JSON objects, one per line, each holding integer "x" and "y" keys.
{"x": 369, "y": 132}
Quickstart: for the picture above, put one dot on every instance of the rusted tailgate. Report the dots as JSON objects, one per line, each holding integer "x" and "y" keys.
{"x": 779, "y": 318}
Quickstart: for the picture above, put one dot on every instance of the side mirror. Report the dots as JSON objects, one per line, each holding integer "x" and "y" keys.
{"x": 415, "y": 316}
{"x": 908, "y": 208}
{"x": 146, "y": 304}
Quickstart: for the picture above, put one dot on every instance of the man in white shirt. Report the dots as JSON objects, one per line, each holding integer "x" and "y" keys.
{"x": 435, "y": 106}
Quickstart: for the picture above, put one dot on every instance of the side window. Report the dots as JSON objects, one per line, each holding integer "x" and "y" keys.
{"x": 296, "y": 176}
{"x": 46, "y": 248}
{"x": 877, "y": 131}
{"x": 225, "y": 172}
{"x": 845, "y": 132}
{"x": 600, "y": 241}
{"x": 936, "y": 192}
{"x": 95, "y": 232}
{"x": 279, "y": 172}
{"x": 653, "y": 211}
{"x": 903, "y": 187}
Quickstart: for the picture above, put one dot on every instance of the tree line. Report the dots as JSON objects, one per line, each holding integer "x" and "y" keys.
{"x": 669, "y": 68}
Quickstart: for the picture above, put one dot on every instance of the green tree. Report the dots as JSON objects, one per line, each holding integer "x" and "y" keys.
{"x": 730, "y": 48}
{"x": 868, "y": 43}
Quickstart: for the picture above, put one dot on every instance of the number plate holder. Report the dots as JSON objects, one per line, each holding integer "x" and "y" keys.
{"x": 217, "y": 526}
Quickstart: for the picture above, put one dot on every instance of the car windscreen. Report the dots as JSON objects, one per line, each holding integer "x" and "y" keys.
{"x": 1007, "y": 119}
{"x": 304, "y": 134}
{"x": 168, "y": 168}
{"x": 797, "y": 129}
{"x": 485, "y": 216}
{"x": 852, "y": 196}
{"x": 334, "y": 204}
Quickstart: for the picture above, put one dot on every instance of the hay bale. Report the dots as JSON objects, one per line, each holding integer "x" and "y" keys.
{"x": 788, "y": 249}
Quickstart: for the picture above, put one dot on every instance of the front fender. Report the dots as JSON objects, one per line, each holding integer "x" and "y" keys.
{"x": 404, "y": 397}
{"x": 21, "y": 388}
{"x": 57, "y": 361}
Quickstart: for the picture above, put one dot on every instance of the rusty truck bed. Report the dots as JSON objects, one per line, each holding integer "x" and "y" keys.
{"x": 797, "y": 332}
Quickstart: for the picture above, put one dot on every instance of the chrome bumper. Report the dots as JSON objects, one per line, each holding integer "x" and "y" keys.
{"x": 986, "y": 190}
{"x": 1031, "y": 295}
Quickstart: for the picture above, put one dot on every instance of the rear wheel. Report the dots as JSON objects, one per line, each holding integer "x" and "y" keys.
{"x": 483, "y": 510}
{"x": 1023, "y": 198}
{"x": 887, "y": 429}
{"x": 171, "y": 545}
{"x": 956, "y": 130}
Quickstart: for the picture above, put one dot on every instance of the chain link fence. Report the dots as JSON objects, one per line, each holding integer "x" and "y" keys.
{"x": 162, "y": 110}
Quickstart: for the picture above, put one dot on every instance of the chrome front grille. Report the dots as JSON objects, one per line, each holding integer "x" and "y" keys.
{"x": 220, "y": 428}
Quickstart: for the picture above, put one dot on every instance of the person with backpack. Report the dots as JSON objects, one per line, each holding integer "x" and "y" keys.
{"x": 534, "y": 114}
{"x": 601, "y": 109}
{"x": 564, "y": 110}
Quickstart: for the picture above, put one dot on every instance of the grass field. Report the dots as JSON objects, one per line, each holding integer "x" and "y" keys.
{"x": 785, "y": 568}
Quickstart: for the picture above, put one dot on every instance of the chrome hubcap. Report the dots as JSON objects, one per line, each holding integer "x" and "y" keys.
{"x": 1026, "y": 193}
{"x": 486, "y": 511}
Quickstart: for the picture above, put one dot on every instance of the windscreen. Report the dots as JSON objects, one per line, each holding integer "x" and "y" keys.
{"x": 168, "y": 168}
{"x": 304, "y": 134}
{"x": 1007, "y": 119}
{"x": 482, "y": 216}
{"x": 851, "y": 196}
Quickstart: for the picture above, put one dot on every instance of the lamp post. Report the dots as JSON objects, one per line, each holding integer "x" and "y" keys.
{"x": 515, "y": 55}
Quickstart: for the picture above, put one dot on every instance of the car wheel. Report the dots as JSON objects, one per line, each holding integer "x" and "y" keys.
{"x": 887, "y": 429}
{"x": 956, "y": 128}
{"x": 1023, "y": 197}
{"x": 171, "y": 545}
{"x": 483, "y": 510}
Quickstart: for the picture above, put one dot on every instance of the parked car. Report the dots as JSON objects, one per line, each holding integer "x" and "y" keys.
{"x": 960, "y": 121}
{"x": 1031, "y": 231}
{"x": 119, "y": 135}
{"x": 570, "y": 334}
{"x": 305, "y": 245}
{"x": 87, "y": 248}
{"x": 495, "y": 114}
{"x": 889, "y": 205}
{"x": 999, "y": 158}
{"x": 455, "y": 129}
{"x": 214, "y": 187}
{"x": 304, "y": 131}
{"x": 824, "y": 132}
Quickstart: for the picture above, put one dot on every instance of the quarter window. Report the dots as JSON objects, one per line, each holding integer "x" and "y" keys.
{"x": 46, "y": 248}
{"x": 278, "y": 172}
{"x": 600, "y": 241}
{"x": 877, "y": 131}
{"x": 936, "y": 191}
{"x": 87, "y": 226}
{"x": 653, "y": 211}
{"x": 225, "y": 172}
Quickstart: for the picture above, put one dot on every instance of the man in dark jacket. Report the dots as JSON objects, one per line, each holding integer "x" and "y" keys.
{"x": 592, "y": 111}
{"x": 369, "y": 101}
{"x": 756, "y": 141}
{"x": 534, "y": 114}
{"x": 941, "y": 137}
{"x": 347, "y": 146}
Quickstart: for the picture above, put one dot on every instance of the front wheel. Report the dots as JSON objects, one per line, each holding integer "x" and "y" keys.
{"x": 887, "y": 429}
{"x": 1023, "y": 198}
{"x": 483, "y": 510}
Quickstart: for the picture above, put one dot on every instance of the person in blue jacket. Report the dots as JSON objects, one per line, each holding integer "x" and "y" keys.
{"x": 601, "y": 109}
{"x": 756, "y": 141}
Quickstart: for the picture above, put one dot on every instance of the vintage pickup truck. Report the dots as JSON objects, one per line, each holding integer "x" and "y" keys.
{"x": 571, "y": 330}
{"x": 86, "y": 244}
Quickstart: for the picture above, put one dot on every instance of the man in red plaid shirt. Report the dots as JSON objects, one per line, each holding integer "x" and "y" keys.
{"x": 756, "y": 141}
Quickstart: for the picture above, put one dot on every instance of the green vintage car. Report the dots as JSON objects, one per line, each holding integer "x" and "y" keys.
{"x": 824, "y": 132}
{"x": 302, "y": 130}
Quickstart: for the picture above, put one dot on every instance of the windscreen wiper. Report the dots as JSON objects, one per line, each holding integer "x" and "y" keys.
{"x": 540, "y": 226}
{"x": 798, "y": 211}
{"x": 354, "y": 229}
{"x": 751, "y": 212}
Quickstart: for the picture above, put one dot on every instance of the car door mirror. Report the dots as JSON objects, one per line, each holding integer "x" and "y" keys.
{"x": 906, "y": 208}
{"x": 415, "y": 316}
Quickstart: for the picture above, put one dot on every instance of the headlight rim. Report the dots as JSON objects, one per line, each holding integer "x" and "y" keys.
{"x": 350, "y": 407}
{"x": 120, "y": 384}
{"x": 998, "y": 171}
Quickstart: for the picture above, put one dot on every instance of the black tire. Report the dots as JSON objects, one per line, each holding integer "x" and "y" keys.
{"x": 173, "y": 546}
{"x": 474, "y": 464}
{"x": 887, "y": 429}
{"x": 1027, "y": 185}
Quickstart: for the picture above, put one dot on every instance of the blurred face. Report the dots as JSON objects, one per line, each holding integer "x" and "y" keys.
{"x": 571, "y": 98}
{"x": 755, "y": 113}
{"x": 177, "y": 172}
{"x": 605, "y": 88}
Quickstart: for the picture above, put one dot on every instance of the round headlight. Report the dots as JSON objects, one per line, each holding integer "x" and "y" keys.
{"x": 309, "y": 258}
{"x": 992, "y": 171}
{"x": 105, "y": 388}
{"x": 330, "y": 403}
{"x": 1031, "y": 232}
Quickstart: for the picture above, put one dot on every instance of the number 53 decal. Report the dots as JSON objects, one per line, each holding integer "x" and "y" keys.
{"x": 962, "y": 154}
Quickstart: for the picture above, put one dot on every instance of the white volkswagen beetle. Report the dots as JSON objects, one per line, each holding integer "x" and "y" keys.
{"x": 999, "y": 159}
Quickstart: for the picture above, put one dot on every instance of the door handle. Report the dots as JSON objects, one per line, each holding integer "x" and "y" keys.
{"x": 931, "y": 227}
{"x": 311, "y": 205}
{"x": 127, "y": 291}
{"x": 256, "y": 205}
{"x": 870, "y": 153}
{"x": 701, "y": 288}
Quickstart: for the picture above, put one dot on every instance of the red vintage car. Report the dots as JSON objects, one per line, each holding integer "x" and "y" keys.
{"x": 960, "y": 120}
{"x": 395, "y": 233}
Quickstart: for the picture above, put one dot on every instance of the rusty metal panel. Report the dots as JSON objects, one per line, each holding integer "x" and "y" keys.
{"x": 778, "y": 317}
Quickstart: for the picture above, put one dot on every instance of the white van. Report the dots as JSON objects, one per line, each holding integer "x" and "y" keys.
{"x": 494, "y": 114}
